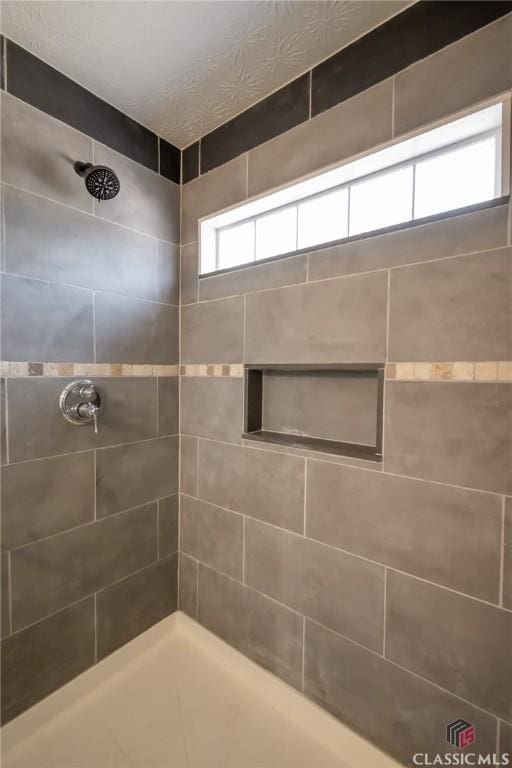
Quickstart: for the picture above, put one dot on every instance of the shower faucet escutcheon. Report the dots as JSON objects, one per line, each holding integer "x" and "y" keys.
{"x": 80, "y": 403}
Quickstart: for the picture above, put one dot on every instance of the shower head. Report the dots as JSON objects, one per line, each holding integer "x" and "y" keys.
{"x": 101, "y": 182}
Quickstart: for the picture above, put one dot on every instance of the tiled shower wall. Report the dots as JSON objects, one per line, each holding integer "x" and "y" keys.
{"x": 382, "y": 591}
{"x": 89, "y": 524}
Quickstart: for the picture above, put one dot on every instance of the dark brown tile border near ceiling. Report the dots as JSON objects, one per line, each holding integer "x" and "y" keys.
{"x": 417, "y": 32}
{"x": 40, "y": 85}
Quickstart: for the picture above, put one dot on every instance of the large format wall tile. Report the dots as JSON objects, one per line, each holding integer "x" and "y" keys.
{"x": 136, "y": 603}
{"x": 168, "y": 406}
{"x": 38, "y": 153}
{"x": 258, "y": 277}
{"x": 338, "y": 321}
{"x": 356, "y": 125}
{"x": 458, "y": 433}
{"x": 507, "y": 563}
{"x": 128, "y": 475}
{"x": 46, "y": 322}
{"x": 135, "y": 331}
{"x": 210, "y": 193}
{"x": 505, "y": 738}
{"x": 53, "y": 242}
{"x": 268, "y": 633}
{"x": 188, "y": 585}
{"x": 457, "y": 309}
{"x": 212, "y": 407}
{"x": 188, "y": 465}
{"x": 41, "y": 498}
{"x": 212, "y": 535}
{"x": 37, "y": 428}
{"x": 398, "y": 711}
{"x": 168, "y": 525}
{"x": 447, "y": 535}
{"x": 213, "y": 332}
{"x": 45, "y": 656}
{"x": 465, "y": 233}
{"x": 168, "y": 273}
{"x": 188, "y": 273}
{"x": 477, "y": 68}
{"x": 340, "y": 591}
{"x": 5, "y": 616}
{"x": 147, "y": 202}
{"x": 259, "y": 483}
{"x": 465, "y": 644}
{"x": 59, "y": 570}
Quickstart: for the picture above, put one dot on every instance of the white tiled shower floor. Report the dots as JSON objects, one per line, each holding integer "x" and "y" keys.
{"x": 177, "y": 697}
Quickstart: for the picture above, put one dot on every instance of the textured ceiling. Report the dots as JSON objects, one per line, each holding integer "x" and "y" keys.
{"x": 183, "y": 68}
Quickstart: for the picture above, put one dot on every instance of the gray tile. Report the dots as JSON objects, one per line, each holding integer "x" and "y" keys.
{"x": 307, "y": 453}
{"x": 206, "y": 194}
{"x": 53, "y": 242}
{"x": 168, "y": 526}
{"x": 358, "y": 124}
{"x": 38, "y": 153}
{"x": 505, "y": 738}
{"x": 326, "y": 405}
{"x": 168, "y": 273}
{"x": 46, "y": 322}
{"x": 135, "y": 331}
{"x": 262, "y": 484}
{"x": 507, "y": 562}
{"x": 397, "y": 711}
{"x": 465, "y": 73}
{"x": 213, "y": 332}
{"x": 459, "y": 433}
{"x": 131, "y": 606}
{"x": 447, "y": 535}
{"x": 55, "y": 572}
{"x": 340, "y": 591}
{"x": 212, "y": 407}
{"x": 189, "y": 270}
{"x": 128, "y": 475}
{"x": 334, "y": 321}
{"x": 37, "y": 428}
{"x": 448, "y": 237}
{"x": 268, "y": 633}
{"x": 41, "y": 498}
{"x": 188, "y": 585}
{"x": 45, "y": 656}
{"x": 188, "y": 465}
{"x": 168, "y": 406}
{"x": 4, "y": 595}
{"x": 147, "y": 202}
{"x": 465, "y": 644}
{"x": 255, "y": 278}
{"x": 457, "y": 309}
{"x": 212, "y": 535}
{"x": 3, "y": 421}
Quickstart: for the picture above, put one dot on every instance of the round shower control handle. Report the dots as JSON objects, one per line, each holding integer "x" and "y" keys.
{"x": 80, "y": 403}
{"x": 89, "y": 411}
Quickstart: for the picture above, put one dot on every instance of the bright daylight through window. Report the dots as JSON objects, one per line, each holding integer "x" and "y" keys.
{"x": 457, "y": 164}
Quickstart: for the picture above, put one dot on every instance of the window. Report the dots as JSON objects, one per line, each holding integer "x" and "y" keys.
{"x": 457, "y": 164}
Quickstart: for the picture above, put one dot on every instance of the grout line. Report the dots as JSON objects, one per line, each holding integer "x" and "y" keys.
{"x": 197, "y": 589}
{"x": 95, "y": 628}
{"x": 95, "y": 490}
{"x": 198, "y": 442}
{"x": 388, "y": 305}
{"x": 498, "y": 736}
{"x": 158, "y": 415}
{"x": 158, "y": 530}
{"x": 305, "y": 493}
{"x": 303, "y": 651}
{"x": 6, "y": 419}
{"x": 9, "y": 585}
{"x": 94, "y": 326}
{"x": 502, "y": 553}
{"x": 243, "y": 549}
{"x": 365, "y": 559}
{"x": 384, "y": 627}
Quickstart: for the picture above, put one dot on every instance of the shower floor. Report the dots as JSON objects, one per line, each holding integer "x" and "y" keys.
{"x": 177, "y": 697}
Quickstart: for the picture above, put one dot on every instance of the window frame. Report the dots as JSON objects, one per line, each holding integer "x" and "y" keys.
{"x": 501, "y": 189}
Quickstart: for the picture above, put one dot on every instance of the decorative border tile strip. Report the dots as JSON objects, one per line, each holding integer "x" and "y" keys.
{"x": 451, "y": 371}
{"x": 213, "y": 369}
{"x": 15, "y": 369}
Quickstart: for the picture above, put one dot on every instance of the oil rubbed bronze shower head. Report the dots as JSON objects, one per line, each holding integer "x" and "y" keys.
{"x": 101, "y": 182}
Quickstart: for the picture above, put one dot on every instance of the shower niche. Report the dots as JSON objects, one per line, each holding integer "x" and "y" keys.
{"x": 334, "y": 409}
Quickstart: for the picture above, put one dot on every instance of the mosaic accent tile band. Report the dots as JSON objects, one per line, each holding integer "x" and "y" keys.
{"x": 425, "y": 371}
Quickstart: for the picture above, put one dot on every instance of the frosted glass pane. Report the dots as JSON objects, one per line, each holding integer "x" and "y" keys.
{"x": 236, "y": 245}
{"x": 381, "y": 202}
{"x": 455, "y": 179}
{"x": 323, "y": 218}
{"x": 276, "y": 233}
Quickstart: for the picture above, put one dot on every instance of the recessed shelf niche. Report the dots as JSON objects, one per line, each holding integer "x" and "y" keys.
{"x": 333, "y": 409}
